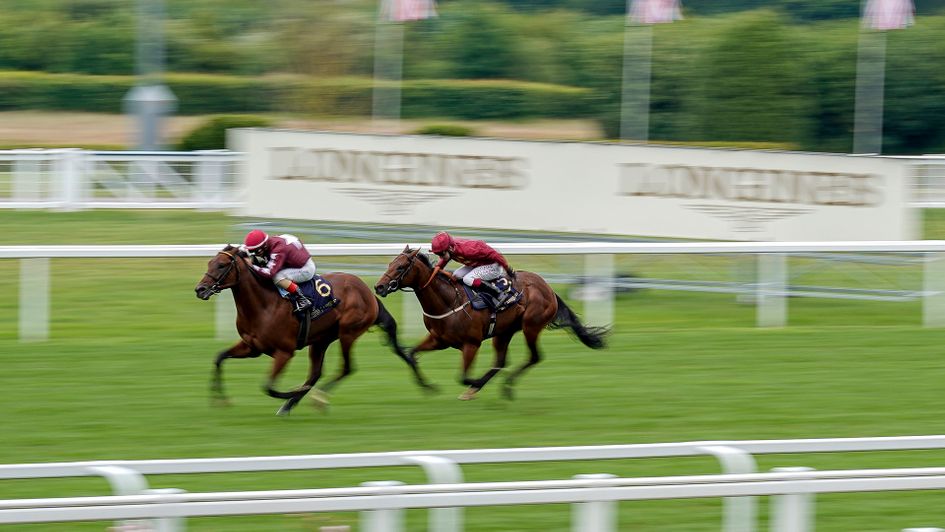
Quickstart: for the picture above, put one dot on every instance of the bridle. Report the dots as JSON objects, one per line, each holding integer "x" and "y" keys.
{"x": 215, "y": 287}
{"x": 394, "y": 285}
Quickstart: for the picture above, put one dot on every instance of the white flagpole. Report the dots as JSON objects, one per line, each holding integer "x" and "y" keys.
{"x": 637, "y": 64}
{"x": 635, "y": 93}
{"x": 878, "y": 16}
{"x": 870, "y": 89}
{"x": 388, "y": 71}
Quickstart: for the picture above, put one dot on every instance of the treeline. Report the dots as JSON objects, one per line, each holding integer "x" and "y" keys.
{"x": 784, "y": 73}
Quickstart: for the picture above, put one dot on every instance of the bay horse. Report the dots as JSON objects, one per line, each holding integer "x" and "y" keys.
{"x": 452, "y": 323}
{"x": 266, "y": 325}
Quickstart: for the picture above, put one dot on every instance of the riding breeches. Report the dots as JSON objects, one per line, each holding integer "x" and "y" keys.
{"x": 296, "y": 275}
{"x": 487, "y": 272}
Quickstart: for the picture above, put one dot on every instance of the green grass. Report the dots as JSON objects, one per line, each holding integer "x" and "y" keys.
{"x": 125, "y": 377}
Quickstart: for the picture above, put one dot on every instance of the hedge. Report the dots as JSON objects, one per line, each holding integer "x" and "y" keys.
{"x": 345, "y": 96}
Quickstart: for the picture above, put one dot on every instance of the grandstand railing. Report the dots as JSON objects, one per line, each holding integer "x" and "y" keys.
{"x": 593, "y": 495}
{"x": 770, "y": 289}
{"x": 73, "y": 179}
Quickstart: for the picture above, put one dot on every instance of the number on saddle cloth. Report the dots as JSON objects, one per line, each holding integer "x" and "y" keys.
{"x": 319, "y": 292}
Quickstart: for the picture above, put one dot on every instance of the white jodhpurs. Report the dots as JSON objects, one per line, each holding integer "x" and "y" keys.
{"x": 487, "y": 272}
{"x": 296, "y": 275}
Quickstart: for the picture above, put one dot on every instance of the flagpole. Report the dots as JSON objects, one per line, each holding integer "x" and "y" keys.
{"x": 870, "y": 90}
{"x": 388, "y": 71}
{"x": 635, "y": 87}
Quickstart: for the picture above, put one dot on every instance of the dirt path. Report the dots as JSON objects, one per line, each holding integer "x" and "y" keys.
{"x": 49, "y": 129}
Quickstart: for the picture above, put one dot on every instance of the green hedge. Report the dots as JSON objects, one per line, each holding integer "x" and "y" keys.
{"x": 349, "y": 96}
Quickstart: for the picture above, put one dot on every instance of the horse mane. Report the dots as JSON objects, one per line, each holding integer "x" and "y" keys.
{"x": 426, "y": 259}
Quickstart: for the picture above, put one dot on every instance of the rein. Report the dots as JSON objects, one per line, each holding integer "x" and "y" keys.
{"x": 450, "y": 313}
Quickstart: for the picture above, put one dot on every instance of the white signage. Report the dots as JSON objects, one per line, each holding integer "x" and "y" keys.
{"x": 574, "y": 187}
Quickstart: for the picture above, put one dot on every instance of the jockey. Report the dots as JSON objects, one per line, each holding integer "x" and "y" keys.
{"x": 481, "y": 263}
{"x": 283, "y": 259}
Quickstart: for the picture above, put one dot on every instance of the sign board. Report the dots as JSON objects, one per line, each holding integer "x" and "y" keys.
{"x": 654, "y": 191}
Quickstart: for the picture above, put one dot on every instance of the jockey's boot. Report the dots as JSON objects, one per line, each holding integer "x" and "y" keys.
{"x": 500, "y": 296}
{"x": 300, "y": 302}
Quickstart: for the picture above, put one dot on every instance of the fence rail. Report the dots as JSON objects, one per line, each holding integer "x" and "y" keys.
{"x": 593, "y": 495}
{"x": 770, "y": 289}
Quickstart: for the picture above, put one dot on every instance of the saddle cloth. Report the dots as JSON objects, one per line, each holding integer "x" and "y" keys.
{"x": 320, "y": 292}
{"x": 483, "y": 299}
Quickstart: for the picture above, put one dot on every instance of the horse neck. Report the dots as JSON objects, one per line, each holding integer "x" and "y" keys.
{"x": 251, "y": 297}
{"x": 439, "y": 296}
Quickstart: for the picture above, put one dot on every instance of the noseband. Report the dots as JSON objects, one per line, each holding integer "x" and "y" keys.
{"x": 215, "y": 287}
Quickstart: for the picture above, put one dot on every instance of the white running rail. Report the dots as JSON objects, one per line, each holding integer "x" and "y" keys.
{"x": 593, "y": 495}
{"x": 769, "y": 291}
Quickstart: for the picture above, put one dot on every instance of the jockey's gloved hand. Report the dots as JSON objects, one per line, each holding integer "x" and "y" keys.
{"x": 259, "y": 260}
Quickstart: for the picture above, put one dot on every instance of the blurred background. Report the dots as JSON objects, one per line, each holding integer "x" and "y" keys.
{"x": 109, "y": 358}
{"x": 311, "y": 63}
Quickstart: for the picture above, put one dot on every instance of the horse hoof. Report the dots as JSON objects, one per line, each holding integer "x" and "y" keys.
{"x": 508, "y": 393}
{"x": 221, "y": 401}
{"x": 284, "y": 410}
{"x": 431, "y": 389}
{"x": 469, "y": 394}
{"x": 320, "y": 400}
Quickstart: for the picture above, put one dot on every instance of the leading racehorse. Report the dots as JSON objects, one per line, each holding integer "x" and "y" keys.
{"x": 266, "y": 325}
{"x": 452, "y": 323}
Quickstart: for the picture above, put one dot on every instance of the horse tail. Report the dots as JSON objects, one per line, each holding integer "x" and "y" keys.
{"x": 565, "y": 318}
{"x": 387, "y": 324}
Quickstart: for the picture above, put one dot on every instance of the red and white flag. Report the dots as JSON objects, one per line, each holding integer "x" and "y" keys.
{"x": 655, "y": 11}
{"x": 888, "y": 14}
{"x": 406, "y": 10}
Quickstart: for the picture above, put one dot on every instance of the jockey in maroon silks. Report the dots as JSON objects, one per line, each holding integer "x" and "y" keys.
{"x": 481, "y": 263}
{"x": 283, "y": 259}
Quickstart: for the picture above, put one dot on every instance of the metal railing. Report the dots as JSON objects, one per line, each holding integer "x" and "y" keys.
{"x": 593, "y": 495}
{"x": 72, "y": 179}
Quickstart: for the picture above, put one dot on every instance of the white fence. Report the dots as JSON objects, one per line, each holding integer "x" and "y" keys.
{"x": 769, "y": 289}
{"x": 593, "y": 496}
{"x": 71, "y": 179}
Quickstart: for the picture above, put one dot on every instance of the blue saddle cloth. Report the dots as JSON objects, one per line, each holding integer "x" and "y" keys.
{"x": 320, "y": 292}
{"x": 483, "y": 299}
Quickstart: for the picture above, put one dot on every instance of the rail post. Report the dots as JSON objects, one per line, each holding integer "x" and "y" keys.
{"x": 389, "y": 520}
{"x": 594, "y": 516}
{"x": 792, "y": 512}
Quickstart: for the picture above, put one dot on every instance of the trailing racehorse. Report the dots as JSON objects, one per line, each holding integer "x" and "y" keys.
{"x": 452, "y": 323}
{"x": 266, "y": 325}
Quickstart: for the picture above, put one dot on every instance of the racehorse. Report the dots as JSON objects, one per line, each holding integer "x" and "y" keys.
{"x": 266, "y": 325}
{"x": 451, "y": 323}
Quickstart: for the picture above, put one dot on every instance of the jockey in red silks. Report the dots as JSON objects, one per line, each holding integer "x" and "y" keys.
{"x": 283, "y": 259}
{"x": 481, "y": 263}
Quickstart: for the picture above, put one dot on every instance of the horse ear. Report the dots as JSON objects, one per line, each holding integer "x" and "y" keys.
{"x": 406, "y": 249}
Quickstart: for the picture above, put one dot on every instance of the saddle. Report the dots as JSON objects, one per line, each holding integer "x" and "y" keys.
{"x": 483, "y": 299}
{"x": 322, "y": 295}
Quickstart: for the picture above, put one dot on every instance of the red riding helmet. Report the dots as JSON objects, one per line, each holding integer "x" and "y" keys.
{"x": 442, "y": 241}
{"x": 255, "y": 239}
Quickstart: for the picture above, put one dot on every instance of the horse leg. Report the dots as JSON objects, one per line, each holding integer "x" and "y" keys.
{"x": 279, "y": 361}
{"x": 531, "y": 340}
{"x": 430, "y": 343}
{"x": 239, "y": 350}
{"x": 346, "y": 341}
{"x": 469, "y": 355}
{"x": 316, "y": 357}
{"x": 501, "y": 345}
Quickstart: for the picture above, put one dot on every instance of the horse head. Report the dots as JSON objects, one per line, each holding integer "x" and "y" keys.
{"x": 410, "y": 269}
{"x": 223, "y": 271}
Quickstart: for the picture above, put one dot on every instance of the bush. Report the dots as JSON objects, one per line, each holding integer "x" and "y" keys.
{"x": 445, "y": 130}
{"x": 211, "y": 135}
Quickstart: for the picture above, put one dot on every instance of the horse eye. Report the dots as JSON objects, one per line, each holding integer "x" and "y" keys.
{"x": 219, "y": 266}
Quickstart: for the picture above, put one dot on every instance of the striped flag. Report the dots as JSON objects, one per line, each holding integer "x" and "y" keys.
{"x": 888, "y": 14}
{"x": 655, "y": 11}
{"x": 406, "y": 10}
